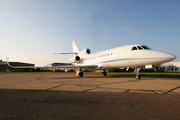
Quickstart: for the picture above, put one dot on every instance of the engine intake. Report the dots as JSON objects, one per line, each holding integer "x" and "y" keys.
{"x": 85, "y": 52}
{"x": 88, "y": 51}
{"x": 75, "y": 59}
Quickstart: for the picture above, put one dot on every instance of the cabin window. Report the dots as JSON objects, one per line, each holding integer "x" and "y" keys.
{"x": 134, "y": 48}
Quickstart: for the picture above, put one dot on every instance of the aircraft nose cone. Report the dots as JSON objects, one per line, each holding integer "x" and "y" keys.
{"x": 163, "y": 57}
{"x": 171, "y": 57}
{"x": 168, "y": 57}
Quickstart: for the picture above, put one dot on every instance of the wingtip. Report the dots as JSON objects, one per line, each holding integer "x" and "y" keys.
{"x": 6, "y": 57}
{"x": 8, "y": 61}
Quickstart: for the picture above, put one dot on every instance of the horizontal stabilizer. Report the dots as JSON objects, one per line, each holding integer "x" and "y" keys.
{"x": 75, "y": 53}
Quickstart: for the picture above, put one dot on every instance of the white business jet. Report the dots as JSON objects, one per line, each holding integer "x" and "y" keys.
{"x": 130, "y": 56}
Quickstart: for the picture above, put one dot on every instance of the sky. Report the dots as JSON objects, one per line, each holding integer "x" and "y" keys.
{"x": 32, "y": 31}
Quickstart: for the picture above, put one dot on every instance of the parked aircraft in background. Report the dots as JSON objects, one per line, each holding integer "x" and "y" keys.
{"x": 130, "y": 56}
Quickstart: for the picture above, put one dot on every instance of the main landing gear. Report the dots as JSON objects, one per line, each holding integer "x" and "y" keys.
{"x": 136, "y": 70}
{"x": 104, "y": 73}
{"x": 80, "y": 72}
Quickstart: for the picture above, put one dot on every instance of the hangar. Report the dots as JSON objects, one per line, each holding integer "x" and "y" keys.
{"x": 59, "y": 64}
{"x": 172, "y": 67}
{"x": 2, "y": 66}
{"x": 5, "y": 68}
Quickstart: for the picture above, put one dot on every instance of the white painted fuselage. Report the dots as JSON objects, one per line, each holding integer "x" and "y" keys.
{"x": 125, "y": 57}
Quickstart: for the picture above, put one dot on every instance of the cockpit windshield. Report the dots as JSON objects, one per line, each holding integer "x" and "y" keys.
{"x": 139, "y": 47}
{"x": 143, "y": 47}
{"x": 146, "y": 48}
{"x": 134, "y": 48}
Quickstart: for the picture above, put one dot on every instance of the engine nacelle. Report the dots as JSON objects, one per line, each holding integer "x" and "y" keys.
{"x": 75, "y": 59}
{"x": 85, "y": 52}
{"x": 148, "y": 66}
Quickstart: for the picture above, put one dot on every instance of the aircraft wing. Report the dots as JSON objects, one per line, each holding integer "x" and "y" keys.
{"x": 80, "y": 66}
{"x": 75, "y": 53}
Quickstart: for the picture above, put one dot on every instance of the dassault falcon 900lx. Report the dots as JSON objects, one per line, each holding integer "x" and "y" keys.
{"x": 129, "y": 56}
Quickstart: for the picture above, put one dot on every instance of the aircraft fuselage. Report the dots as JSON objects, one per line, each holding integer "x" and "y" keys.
{"x": 125, "y": 57}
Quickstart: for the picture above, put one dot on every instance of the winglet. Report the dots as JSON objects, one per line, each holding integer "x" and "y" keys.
{"x": 8, "y": 62}
{"x": 19, "y": 66}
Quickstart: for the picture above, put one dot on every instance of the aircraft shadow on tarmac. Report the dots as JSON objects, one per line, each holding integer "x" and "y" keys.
{"x": 172, "y": 90}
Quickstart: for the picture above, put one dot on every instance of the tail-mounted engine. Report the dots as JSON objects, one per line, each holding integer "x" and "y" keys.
{"x": 85, "y": 52}
{"x": 75, "y": 59}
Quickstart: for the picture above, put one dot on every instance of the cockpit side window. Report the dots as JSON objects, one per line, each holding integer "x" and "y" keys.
{"x": 146, "y": 48}
{"x": 134, "y": 48}
{"x": 140, "y": 48}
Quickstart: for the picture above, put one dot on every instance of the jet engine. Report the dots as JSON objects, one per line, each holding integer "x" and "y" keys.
{"x": 85, "y": 52}
{"x": 82, "y": 53}
{"x": 75, "y": 59}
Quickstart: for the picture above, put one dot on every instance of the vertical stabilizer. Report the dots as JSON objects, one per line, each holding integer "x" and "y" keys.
{"x": 75, "y": 48}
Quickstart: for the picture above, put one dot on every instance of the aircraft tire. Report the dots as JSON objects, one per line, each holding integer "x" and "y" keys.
{"x": 138, "y": 77}
{"x": 104, "y": 74}
{"x": 80, "y": 74}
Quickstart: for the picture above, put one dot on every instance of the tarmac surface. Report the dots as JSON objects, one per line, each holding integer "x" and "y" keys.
{"x": 66, "y": 96}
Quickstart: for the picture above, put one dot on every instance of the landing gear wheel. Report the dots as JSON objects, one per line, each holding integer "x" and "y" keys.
{"x": 138, "y": 77}
{"x": 80, "y": 74}
{"x": 104, "y": 74}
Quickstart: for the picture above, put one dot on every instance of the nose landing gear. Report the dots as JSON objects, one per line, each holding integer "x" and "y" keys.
{"x": 138, "y": 76}
{"x": 136, "y": 70}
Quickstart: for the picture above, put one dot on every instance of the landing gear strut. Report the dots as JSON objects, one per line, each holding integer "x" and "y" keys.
{"x": 80, "y": 72}
{"x": 137, "y": 75}
{"x": 104, "y": 73}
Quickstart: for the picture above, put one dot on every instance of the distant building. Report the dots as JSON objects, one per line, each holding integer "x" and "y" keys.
{"x": 2, "y": 63}
{"x": 5, "y": 68}
{"x": 60, "y": 64}
{"x": 172, "y": 67}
